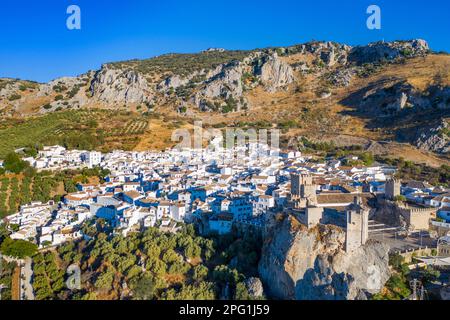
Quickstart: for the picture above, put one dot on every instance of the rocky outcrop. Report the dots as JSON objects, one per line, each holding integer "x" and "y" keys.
{"x": 388, "y": 212}
{"x": 303, "y": 264}
{"x": 172, "y": 82}
{"x": 254, "y": 287}
{"x": 8, "y": 87}
{"x": 331, "y": 53}
{"x": 114, "y": 86}
{"x": 435, "y": 138}
{"x": 274, "y": 73}
{"x": 399, "y": 96}
{"x": 378, "y": 51}
{"x": 341, "y": 77}
{"x": 224, "y": 84}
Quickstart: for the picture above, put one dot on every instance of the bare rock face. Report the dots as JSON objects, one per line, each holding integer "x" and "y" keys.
{"x": 119, "y": 86}
{"x": 341, "y": 77}
{"x": 378, "y": 51}
{"x": 435, "y": 138}
{"x": 275, "y": 73}
{"x": 224, "y": 83}
{"x": 255, "y": 287}
{"x": 303, "y": 264}
{"x": 328, "y": 57}
{"x": 172, "y": 82}
{"x": 401, "y": 95}
{"x": 8, "y": 87}
{"x": 388, "y": 212}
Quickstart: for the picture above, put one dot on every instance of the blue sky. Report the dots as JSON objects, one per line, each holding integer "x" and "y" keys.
{"x": 35, "y": 43}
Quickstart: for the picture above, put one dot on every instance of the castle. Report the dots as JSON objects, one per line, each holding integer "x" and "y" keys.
{"x": 303, "y": 204}
{"x": 416, "y": 217}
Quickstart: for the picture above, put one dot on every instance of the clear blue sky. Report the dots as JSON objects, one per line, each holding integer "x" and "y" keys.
{"x": 35, "y": 43}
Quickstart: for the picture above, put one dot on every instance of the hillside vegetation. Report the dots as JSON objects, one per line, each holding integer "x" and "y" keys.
{"x": 77, "y": 129}
{"x": 396, "y": 92}
{"x": 148, "y": 265}
{"x": 182, "y": 64}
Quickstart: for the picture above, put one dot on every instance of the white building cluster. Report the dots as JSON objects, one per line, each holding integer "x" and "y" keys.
{"x": 58, "y": 158}
{"x": 215, "y": 188}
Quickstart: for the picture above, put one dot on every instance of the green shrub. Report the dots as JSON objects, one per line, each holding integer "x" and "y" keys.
{"x": 14, "y": 97}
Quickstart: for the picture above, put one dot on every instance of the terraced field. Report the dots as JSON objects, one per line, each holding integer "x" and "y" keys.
{"x": 17, "y": 190}
{"x": 81, "y": 129}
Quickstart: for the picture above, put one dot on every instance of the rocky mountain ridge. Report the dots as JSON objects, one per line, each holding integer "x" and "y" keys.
{"x": 213, "y": 88}
{"x": 301, "y": 83}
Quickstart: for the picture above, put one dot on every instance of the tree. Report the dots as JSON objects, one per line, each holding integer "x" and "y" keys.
{"x": 143, "y": 288}
{"x": 400, "y": 198}
{"x": 224, "y": 274}
{"x": 367, "y": 158}
{"x": 105, "y": 280}
{"x": 241, "y": 292}
{"x": 396, "y": 261}
{"x": 192, "y": 251}
{"x": 431, "y": 274}
{"x": 200, "y": 272}
{"x": 13, "y": 163}
{"x": 18, "y": 248}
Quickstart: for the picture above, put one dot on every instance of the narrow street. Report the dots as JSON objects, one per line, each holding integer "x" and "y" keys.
{"x": 26, "y": 279}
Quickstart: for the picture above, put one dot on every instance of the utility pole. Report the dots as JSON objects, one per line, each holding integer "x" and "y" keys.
{"x": 417, "y": 286}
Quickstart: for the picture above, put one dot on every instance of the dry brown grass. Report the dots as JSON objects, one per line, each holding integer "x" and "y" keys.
{"x": 158, "y": 135}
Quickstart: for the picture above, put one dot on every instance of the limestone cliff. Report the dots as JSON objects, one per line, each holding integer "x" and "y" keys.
{"x": 119, "y": 86}
{"x": 274, "y": 73}
{"x": 303, "y": 264}
{"x": 435, "y": 138}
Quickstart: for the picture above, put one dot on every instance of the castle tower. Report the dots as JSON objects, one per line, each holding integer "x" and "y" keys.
{"x": 357, "y": 231}
{"x": 313, "y": 216}
{"x": 295, "y": 185}
{"x": 302, "y": 187}
{"x": 392, "y": 189}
